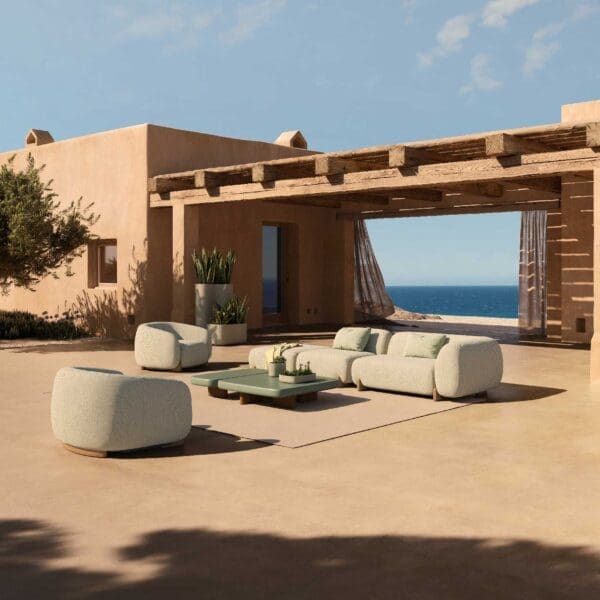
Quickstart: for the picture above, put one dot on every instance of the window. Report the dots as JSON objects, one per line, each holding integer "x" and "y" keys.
{"x": 102, "y": 263}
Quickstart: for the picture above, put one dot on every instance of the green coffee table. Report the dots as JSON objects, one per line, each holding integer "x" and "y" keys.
{"x": 258, "y": 386}
{"x": 211, "y": 379}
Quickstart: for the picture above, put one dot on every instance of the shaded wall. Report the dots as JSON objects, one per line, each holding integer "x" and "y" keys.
{"x": 571, "y": 264}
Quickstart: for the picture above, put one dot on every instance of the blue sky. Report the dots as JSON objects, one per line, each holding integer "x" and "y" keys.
{"x": 348, "y": 73}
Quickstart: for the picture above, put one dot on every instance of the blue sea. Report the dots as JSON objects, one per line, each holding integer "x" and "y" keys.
{"x": 478, "y": 301}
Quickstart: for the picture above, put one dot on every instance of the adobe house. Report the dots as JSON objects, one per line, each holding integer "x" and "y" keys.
{"x": 284, "y": 209}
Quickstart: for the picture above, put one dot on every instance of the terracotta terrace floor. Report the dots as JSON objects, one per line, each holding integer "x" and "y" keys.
{"x": 496, "y": 500}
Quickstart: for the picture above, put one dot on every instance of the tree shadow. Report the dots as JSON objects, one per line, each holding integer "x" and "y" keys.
{"x": 200, "y": 563}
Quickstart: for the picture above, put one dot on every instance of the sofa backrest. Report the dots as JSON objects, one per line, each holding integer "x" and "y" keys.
{"x": 378, "y": 341}
{"x": 398, "y": 341}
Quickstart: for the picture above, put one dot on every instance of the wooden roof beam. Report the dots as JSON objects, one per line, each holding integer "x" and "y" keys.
{"x": 486, "y": 189}
{"x": 592, "y": 135}
{"x": 505, "y": 144}
{"x": 163, "y": 185}
{"x": 549, "y": 184}
{"x": 459, "y": 210}
{"x": 263, "y": 172}
{"x": 424, "y": 195}
{"x": 335, "y": 165}
{"x": 208, "y": 179}
{"x": 412, "y": 156}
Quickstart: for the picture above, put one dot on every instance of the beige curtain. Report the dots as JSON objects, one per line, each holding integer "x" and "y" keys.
{"x": 532, "y": 274}
{"x": 371, "y": 300}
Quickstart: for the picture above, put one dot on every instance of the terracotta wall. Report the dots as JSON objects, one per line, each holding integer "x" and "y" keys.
{"x": 108, "y": 169}
{"x": 323, "y": 285}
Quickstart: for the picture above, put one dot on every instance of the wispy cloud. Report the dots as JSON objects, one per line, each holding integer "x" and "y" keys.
{"x": 481, "y": 78}
{"x": 449, "y": 39}
{"x": 584, "y": 10}
{"x": 249, "y": 18}
{"x": 541, "y": 49}
{"x": 173, "y": 19}
{"x": 496, "y": 12}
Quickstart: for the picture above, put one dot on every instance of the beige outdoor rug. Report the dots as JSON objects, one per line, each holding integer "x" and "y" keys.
{"x": 336, "y": 413}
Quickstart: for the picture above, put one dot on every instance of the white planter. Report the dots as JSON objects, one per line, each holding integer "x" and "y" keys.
{"x": 207, "y": 295}
{"x": 228, "y": 335}
{"x": 275, "y": 369}
{"x": 297, "y": 378}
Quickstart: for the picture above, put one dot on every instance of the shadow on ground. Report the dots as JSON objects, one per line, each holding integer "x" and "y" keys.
{"x": 84, "y": 345}
{"x": 198, "y": 442}
{"x": 516, "y": 392}
{"x": 201, "y": 563}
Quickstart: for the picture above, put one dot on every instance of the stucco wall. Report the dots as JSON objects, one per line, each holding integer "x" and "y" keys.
{"x": 108, "y": 169}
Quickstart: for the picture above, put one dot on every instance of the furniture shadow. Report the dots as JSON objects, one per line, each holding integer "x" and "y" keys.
{"x": 215, "y": 366}
{"x": 200, "y": 441}
{"x": 516, "y": 392}
{"x": 329, "y": 401}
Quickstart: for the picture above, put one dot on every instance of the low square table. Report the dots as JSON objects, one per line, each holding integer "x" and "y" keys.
{"x": 253, "y": 385}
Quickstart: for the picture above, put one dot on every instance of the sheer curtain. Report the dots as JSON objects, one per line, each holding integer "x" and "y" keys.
{"x": 371, "y": 300}
{"x": 532, "y": 274}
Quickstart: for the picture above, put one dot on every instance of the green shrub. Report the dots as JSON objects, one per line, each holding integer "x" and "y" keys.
{"x": 213, "y": 267}
{"x": 18, "y": 324}
{"x": 233, "y": 311}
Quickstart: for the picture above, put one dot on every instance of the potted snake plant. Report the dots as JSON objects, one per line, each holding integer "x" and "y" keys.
{"x": 213, "y": 272}
{"x": 228, "y": 324}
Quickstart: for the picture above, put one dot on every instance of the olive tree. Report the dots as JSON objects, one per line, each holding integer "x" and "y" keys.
{"x": 37, "y": 235}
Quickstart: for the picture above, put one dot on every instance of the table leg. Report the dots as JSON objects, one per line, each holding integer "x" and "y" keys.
{"x": 217, "y": 392}
{"x": 248, "y": 398}
{"x": 288, "y": 402}
{"x": 310, "y": 397}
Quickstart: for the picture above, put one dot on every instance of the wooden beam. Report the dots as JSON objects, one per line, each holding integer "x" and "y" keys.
{"x": 393, "y": 181}
{"x": 207, "y": 179}
{"x": 170, "y": 183}
{"x": 488, "y": 190}
{"x": 550, "y": 184}
{"x": 313, "y": 202}
{"x": 368, "y": 198}
{"x": 334, "y": 165}
{"x": 423, "y": 195}
{"x": 410, "y": 156}
{"x": 592, "y": 135}
{"x": 505, "y": 144}
{"x": 459, "y": 210}
{"x": 263, "y": 172}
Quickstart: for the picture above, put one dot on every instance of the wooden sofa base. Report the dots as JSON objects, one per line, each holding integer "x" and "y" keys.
{"x": 104, "y": 453}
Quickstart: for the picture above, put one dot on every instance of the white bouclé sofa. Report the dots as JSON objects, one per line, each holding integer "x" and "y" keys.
{"x": 466, "y": 365}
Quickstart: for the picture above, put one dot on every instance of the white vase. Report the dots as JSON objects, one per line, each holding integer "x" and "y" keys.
{"x": 275, "y": 369}
{"x": 207, "y": 295}
{"x": 229, "y": 334}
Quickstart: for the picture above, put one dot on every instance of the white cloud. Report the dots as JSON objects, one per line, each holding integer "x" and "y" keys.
{"x": 481, "y": 78}
{"x": 496, "y": 12}
{"x": 249, "y": 18}
{"x": 584, "y": 10}
{"x": 174, "y": 19}
{"x": 541, "y": 49}
{"x": 449, "y": 39}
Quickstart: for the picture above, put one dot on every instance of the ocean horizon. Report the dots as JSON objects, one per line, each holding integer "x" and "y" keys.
{"x": 500, "y": 301}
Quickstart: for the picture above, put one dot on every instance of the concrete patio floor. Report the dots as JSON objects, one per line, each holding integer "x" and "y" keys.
{"x": 495, "y": 500}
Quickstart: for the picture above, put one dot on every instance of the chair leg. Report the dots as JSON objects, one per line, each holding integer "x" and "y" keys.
{"x": 359, "y": 386}
{"x": 436, "y": 395}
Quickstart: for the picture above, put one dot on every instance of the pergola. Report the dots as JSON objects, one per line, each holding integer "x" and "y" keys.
{"x": 513, "y": 170}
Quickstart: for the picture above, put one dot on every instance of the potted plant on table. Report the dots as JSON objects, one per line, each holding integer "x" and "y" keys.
{"x": 275, "y": 360}
{"x": 213, "y": 271}
{"x": 228, "y": 324}
{"x": 302, "y": 374}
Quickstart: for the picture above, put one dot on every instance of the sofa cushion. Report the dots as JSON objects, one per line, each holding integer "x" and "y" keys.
{"x": 378, "y": 341}
{"x": 408, "y": 375}
{"x": 424, "y": 345}
{"x": 352, "y": 338}
{"x": 331, "y": 362}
